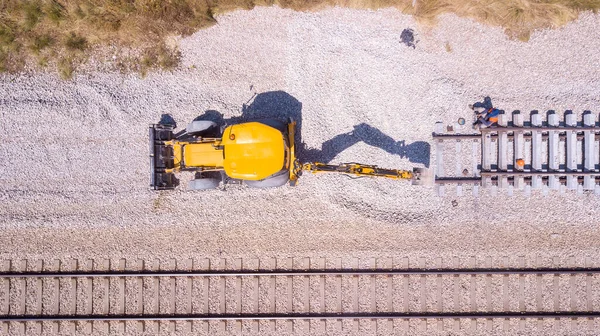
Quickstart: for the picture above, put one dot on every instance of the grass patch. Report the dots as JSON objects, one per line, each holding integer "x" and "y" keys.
{"x": 160, "y": 56}
{"x": 42, "y": 62}
{"x": 3, "y": 62}
{"x": 65, "y": 67}
{"x": 7, "y": 37}
{"x": 55, "y": 12}
{"x": 75, "y": 42}
{"x": 40, "y": 42}
{"x": 32, "y": 13}
{"x": 50, "y": 28}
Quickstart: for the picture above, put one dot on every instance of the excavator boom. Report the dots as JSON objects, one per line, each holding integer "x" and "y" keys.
{"x": 417, "y": 175}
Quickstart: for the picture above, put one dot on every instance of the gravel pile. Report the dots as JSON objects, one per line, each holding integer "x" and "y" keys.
{"x": 74, "y": 171}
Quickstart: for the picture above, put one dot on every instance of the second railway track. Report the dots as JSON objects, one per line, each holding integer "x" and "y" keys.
{"x": 379, "y": 298}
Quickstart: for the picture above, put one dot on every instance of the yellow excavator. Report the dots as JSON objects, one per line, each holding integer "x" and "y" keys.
{"x": 259, "y": 154}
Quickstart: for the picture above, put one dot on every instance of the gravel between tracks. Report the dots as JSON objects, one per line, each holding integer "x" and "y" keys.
{"x": 74, "y": 171}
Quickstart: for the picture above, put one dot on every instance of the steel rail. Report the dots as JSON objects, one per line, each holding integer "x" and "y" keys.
{"x": 312, "y": 272}
{"x": 538, "y": 173}
{"x": 458, "y": 136}
{"x": 477, "y": 181}
{"x": 538, "y": 129}
{"x": 510, "y": 136}
{"x": 458, "y": 180}
{"x": 303, "y": 316}
{"x": 528, "y": 129}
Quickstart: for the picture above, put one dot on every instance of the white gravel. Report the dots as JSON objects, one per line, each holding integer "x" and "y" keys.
{"x": 74, "y": 170}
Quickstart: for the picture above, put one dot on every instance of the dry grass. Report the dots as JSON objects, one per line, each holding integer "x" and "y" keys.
{"x": 65, "y": 67}
{"x": 61, "y": 32}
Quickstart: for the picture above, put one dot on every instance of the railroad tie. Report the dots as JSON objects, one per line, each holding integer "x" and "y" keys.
{"x": 536, "y": 149}
{"x": 589, "y": 155}
{"x": 553, "y": 156}
{"x": 518, "y": 143}
{"x": 503, "y": 150}
{"x": 571, "y": 150}
{"x": 439, "y": 157}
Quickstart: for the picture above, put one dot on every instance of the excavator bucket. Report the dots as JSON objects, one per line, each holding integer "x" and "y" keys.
{"x": 161, "y": 158}
{"x": 421, "y": 176}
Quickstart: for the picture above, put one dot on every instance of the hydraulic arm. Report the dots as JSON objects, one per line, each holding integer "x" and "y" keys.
{"x": 360, "y": 170}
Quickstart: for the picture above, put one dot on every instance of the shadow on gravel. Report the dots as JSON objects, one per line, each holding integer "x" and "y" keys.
{"x": 282, "y": 106}
{"x": 408, "y": 37}
{"x": 416, "y": 152}
{"x": 167, "y": 119}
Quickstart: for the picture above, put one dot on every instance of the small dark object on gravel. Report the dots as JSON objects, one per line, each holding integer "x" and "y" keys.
{"x": 408, "y": 37}
{"x": 167, "y": 120}
{"x": 454, "y": 203}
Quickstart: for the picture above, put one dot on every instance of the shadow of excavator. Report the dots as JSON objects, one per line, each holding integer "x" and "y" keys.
{"x": 282, "y": 106}
{"x": 416, "y": 152}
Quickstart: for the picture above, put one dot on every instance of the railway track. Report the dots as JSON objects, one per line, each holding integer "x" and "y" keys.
{"x": 315, "y": 299}
{"x": 559, "y": 154}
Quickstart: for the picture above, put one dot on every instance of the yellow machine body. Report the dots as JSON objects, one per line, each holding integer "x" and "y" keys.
{"x": 206, "y": 154}
{"x": 253, "y": 151}
{"x": 248, "y": 151}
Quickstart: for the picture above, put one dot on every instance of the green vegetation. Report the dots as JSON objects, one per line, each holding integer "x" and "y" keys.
{"x": 59, "y": 33}
{"x": 75, "y": 42}
{"x": 39, "y": 43}
{"x": 65, "y": 67}
{"x": 160, "y": 56}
